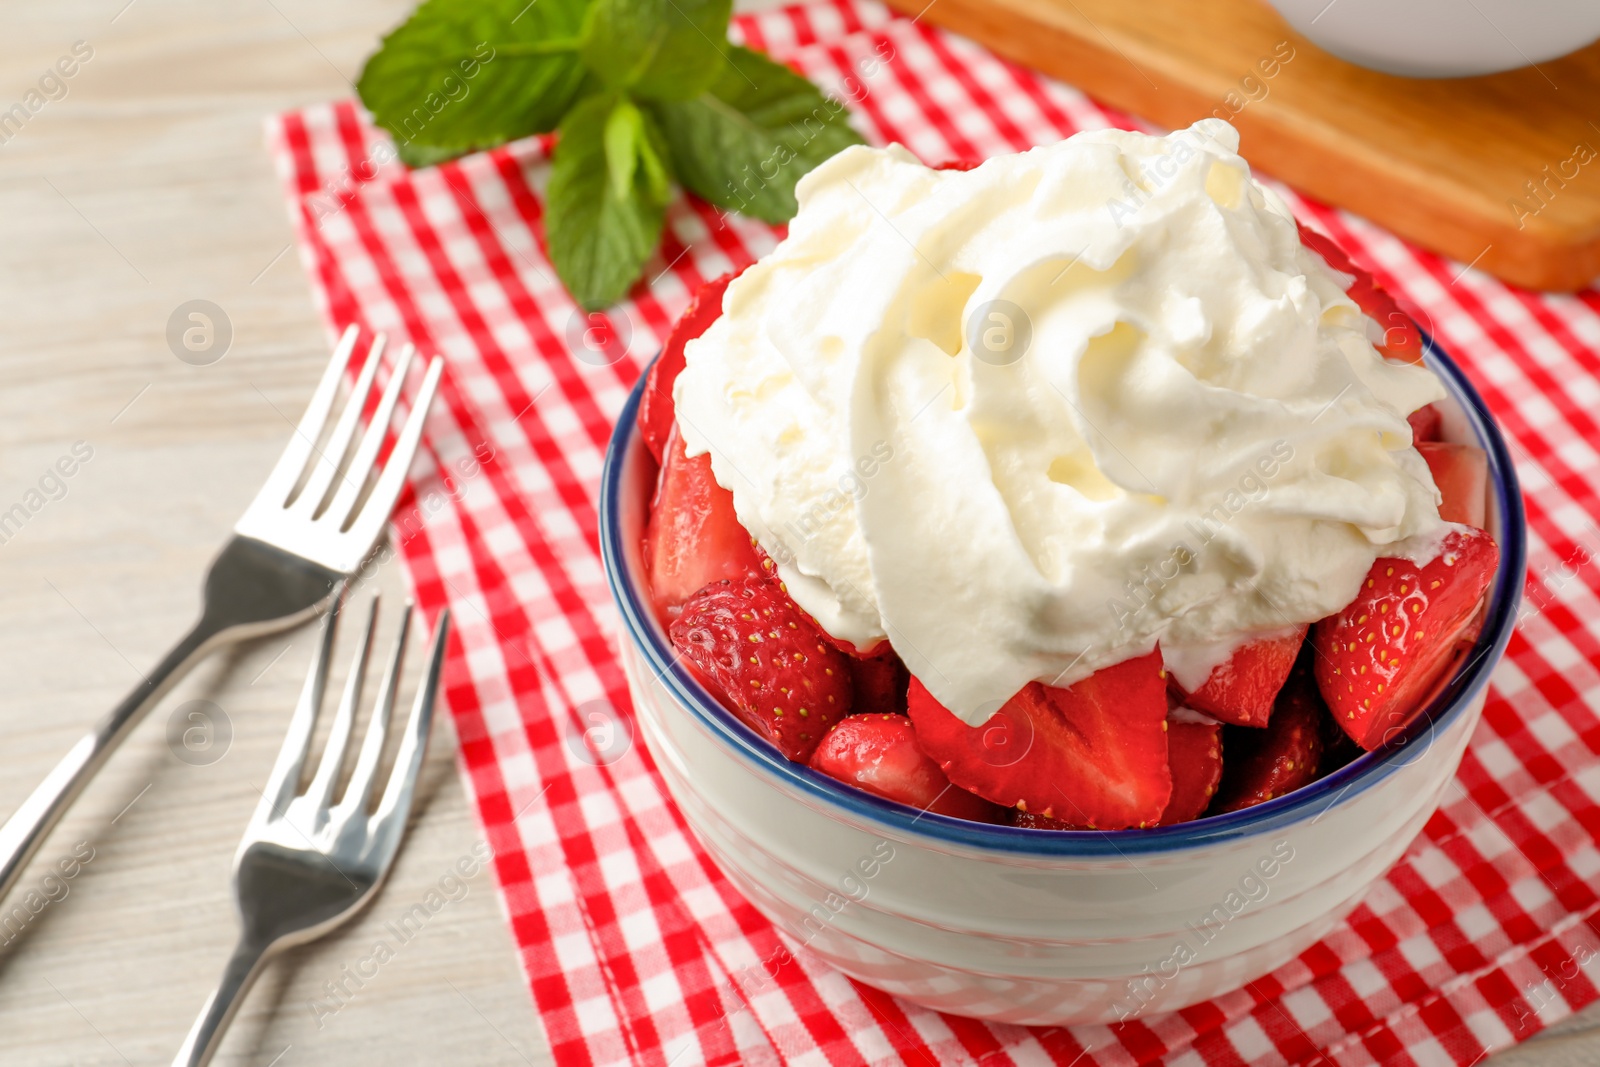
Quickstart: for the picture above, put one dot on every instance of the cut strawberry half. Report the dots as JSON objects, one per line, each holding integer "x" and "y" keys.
{"x": 692, "y": 538}
{"x": 1462, "y": 474}
{"x": 879, "y": 753}
{"x": 1427, "y": 423}
{"x": 1241, "y": 691}
{"x": 1401, "y": 339}
{"x": 1266, "y": 764}
{"x": 1194, "y": 755}
{"x": 766, "y": 661}
{"x": 1378, "y": 657}
{"x": 656, "y": 412}
{"x": 1094, "y": 753}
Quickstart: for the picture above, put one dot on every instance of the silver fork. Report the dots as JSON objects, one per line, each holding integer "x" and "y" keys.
{"x": 313, "y": 523}
{"x": 306, "y": 864}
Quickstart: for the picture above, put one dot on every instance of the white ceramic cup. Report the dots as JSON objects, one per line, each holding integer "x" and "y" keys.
{"x": 1444, "y": 38}
{"x": 1024, "y": 926}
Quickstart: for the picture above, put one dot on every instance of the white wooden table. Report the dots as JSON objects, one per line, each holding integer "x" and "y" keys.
{"x": 144, "y": 186}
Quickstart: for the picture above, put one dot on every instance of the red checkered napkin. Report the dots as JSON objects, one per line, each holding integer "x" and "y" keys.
{"x": 635, "y": 946}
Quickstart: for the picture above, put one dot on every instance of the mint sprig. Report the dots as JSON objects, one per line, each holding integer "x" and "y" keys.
{"x": 659, "y": 49}
{"x": 641, "y": 93}
{"x": 461, "y": 75}
{"x": 744, "y": 142}
{"x": 603, "y": 216}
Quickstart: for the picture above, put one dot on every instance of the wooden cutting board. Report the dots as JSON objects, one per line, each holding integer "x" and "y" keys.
{"x": 1502, "y": 171}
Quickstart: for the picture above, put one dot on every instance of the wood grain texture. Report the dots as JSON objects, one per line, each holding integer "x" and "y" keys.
{"x": 145, "y": 186}
{"x": 1443, "y": 163}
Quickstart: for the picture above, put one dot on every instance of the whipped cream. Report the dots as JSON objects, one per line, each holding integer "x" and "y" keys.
{"x": 1028, "y": 420}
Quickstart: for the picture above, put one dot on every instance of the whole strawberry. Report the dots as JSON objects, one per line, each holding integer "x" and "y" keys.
{"x": 770, "y": 664}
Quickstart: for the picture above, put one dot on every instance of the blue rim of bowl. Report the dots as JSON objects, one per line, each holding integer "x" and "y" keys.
{"x": 1308, "y": 802}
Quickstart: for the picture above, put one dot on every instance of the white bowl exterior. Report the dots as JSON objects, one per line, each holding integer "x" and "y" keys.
{"x": 1030, "y": 938}
{"x": 1023, "y": 939}
{"x": 1444, "y": 38}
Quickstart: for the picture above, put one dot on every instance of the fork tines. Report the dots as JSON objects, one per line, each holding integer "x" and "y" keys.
{"x": 313, "y": 812}
{"x": 332, "y": 501}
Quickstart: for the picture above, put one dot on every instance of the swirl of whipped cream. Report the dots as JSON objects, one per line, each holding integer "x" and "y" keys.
{"x": 1030, "y": 419}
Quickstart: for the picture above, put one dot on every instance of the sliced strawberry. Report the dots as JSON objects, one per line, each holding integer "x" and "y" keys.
{"x": 1427, "y": 423}
{"x": 1337, "y": 747}
{"x": 1462, "y": 474}
{"x": 692, "y": 538}
{"x": 1095, "y": 752}
{"x": 1194, "y": 754}
{"x": 1032, "y": 821}
{"x": 656, "y": 411}
{"x": 1401, "y": 339}
{"x": 880, "y": 683}
{"x": 1266, "y": 764}
{"x": 767, "y": 662}
{"x": 1241, "y": 691}
{"x": 879, "y": 753}
{"x": 1379, "y": 656}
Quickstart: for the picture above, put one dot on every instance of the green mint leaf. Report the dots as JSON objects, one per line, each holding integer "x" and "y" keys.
{"x": 462, "y": 74}
{"x": 599, "y": 240}
{"x": 652, "y": 149}
{"x": 745, "y": 142}
{"x": 659, "y": 49}
{"x": 624, "y": 130}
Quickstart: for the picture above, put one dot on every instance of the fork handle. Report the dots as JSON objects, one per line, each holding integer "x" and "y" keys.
{"x": 28, "y": 826}
{"x": 237, "y": 977}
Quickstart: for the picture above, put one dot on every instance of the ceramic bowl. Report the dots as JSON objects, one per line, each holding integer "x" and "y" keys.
{"x": 1023, "y": 926}
{"x": 1444, "y": 38}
